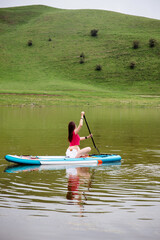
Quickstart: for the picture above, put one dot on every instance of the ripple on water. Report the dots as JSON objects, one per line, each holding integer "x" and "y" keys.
{"x": 103, "y": 190}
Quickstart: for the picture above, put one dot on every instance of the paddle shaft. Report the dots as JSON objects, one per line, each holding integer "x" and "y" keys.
{"x": 90, "y": 133}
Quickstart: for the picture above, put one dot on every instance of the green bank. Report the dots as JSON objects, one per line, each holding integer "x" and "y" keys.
{"x": 53, "y": 69}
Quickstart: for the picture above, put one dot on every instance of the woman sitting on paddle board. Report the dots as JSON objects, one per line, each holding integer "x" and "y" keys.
{"x": 74, "y": 151}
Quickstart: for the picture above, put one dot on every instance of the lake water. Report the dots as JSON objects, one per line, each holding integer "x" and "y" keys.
{"x": 117, "y": 201}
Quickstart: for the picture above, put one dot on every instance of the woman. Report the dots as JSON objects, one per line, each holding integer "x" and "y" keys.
{"x": 74, "y": 151}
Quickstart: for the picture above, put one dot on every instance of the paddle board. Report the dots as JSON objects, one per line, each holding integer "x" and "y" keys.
{"x": 62, "y": 160}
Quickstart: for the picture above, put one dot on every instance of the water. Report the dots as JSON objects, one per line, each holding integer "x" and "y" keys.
{"x": 116, "y": 201}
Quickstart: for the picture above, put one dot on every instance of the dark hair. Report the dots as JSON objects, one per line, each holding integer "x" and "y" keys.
{"x": 71, "y": 127}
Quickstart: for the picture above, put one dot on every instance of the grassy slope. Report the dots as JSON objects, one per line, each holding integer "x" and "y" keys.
{"x": 53, "y": 67}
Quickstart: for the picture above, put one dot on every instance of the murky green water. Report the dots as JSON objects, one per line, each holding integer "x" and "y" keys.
{"x": 120, "y": 201}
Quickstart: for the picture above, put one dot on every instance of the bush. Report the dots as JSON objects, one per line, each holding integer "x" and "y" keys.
{"x": 49, "y": 39}
{"x": 82, "y": 55}
{"x": 98, "y": 67}
{"x": 135, "y": 44}
{"x": 81, "y": 61}
{"x": 152, "y": 42}
{"x": 94, "y": 32}
{"x": 30, "y": 43}
{"x": 132, "y": 65}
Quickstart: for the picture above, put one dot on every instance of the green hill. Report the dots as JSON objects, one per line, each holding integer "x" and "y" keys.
{"x": 54, "y": 68}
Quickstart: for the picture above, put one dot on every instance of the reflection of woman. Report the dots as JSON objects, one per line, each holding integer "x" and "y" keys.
{"x": 76, "y": 177}
{"x": 73, "y": 183}
{"x": 74, "y": 151}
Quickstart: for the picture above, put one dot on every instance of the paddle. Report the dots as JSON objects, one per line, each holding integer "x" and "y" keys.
{"x": 90, "y": 133}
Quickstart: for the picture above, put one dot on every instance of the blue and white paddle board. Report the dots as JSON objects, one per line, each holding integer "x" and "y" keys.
{"x": 63, "y": 160}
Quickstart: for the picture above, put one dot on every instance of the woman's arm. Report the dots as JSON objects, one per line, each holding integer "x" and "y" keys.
{"x": 83, "y": 138}
{"x": 80, "y": 123}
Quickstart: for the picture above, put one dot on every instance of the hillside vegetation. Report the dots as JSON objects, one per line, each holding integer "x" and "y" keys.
{"x": 51, "y": 66}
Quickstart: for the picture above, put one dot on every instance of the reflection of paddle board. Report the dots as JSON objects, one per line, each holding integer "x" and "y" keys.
{"x": 30, "y": 168}
{"x": 62, "y": 160}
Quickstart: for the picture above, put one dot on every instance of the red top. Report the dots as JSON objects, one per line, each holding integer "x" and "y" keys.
{"x": 73, "y": 183}
{"x": 75, "y": 140}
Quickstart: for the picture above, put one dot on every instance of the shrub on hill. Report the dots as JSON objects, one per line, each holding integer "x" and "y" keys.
{"x": 29, "y": 43}
{"x": 82, "y": 55}
{"x": 132, "y": 65}
{"x": 94, "y": 32}
{"x": 81, "y": 61}
{"x": 49, "y": 39}
{"x": 135, "y": 44}
{"x": 98, "y": 67}
{"x": 152, "y": 42}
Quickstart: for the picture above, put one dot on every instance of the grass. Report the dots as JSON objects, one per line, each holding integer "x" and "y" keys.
{"x": 53, "y": 68}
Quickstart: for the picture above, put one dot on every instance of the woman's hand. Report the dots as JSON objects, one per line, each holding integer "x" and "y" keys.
{"x": 90, "y": 135}
{"x": 82, "y": 114}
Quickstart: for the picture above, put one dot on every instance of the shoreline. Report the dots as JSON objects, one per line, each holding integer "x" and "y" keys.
{"x": 78, "y": 99}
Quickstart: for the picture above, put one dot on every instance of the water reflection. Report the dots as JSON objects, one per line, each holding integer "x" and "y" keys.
{"x": 29, "y": 168}
{"x": 72, "y": 184}
{"x": 77, "y": 178}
